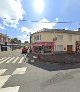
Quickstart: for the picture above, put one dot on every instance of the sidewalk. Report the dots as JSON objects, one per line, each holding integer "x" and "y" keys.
{"x": 3, "y": 53}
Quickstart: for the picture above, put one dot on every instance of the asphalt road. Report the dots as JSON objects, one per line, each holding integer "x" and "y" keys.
{"x": 16, "y": 75}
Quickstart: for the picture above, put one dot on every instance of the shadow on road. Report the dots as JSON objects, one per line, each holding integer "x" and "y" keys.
{"x": 54, "y": 67}
{"x": 64, "y": 62}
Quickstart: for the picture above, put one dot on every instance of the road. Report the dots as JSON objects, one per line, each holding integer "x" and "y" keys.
{"x": 19, "y": 76}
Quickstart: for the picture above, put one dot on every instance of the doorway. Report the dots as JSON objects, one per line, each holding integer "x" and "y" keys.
{"x": 69, "y": 48}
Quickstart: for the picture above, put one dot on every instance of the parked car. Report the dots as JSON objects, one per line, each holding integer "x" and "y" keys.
{"x": 24, "y": 50}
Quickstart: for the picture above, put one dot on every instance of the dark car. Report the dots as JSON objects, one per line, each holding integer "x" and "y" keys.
{"x": 24, "y": 50}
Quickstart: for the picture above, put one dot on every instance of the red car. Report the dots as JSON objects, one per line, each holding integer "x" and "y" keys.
{"x": 24, "y": 50}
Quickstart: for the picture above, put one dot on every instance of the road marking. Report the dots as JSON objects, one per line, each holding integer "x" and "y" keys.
{"x": 10, "y": 60}
{"x": 5, "y": 60}
{"x": 34, "y": 57}
{"x": 32, "y": 60}
{"x": 27, "y": 59}
{"x": 10, "y": 89}
{"x": 3, "y": 79}
{"x": 2, "y": 58}
{"x": 21, "y": 60}
{"x": 2, "y": 71}
{"x": 20, "y": 71}
{"x": 15, "y": 60}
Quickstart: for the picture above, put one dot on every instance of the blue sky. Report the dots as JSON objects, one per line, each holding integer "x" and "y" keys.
{"x": 52, "y": 11}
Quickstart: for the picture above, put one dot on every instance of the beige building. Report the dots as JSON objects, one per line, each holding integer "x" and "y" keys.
{"x": 64, "y": 40}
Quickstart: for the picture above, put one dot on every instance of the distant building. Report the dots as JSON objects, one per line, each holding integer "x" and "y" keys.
{"x": 26, "y": 44}
{"x": 5, "y": 41}
{"x": 55, "y": 40}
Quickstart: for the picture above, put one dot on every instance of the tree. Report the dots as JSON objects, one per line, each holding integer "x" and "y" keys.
{"x": 26, "y": 42}
{"x": 15, "y": 40}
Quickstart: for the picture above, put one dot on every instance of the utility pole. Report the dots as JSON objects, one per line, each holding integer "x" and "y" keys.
{"x": 30, "y": 41}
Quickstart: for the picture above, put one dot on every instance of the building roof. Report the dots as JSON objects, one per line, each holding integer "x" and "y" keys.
{"x": 57, "y": 31}
{"x": 3, "y": 35}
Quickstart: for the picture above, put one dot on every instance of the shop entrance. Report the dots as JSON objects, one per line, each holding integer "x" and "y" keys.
{"x": 69, "y": 48}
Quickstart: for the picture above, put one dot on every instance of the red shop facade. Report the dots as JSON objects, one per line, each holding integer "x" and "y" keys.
{"x": 43, "y": 47}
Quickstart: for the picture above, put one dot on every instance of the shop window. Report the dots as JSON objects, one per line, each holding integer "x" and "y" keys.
{"x": 47, "y": 49}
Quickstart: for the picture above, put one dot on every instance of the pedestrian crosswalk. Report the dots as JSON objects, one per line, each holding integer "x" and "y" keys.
{"x": 15, "y": 60}
{"x": 21, "y": 60}
{"x": 4, "y": 60}
{"x": 12, "y": 60}
{"x": 5, "y": 78}
{"x": 10, "y": 89}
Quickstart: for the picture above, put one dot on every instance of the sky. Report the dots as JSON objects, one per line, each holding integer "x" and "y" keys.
{"x": 37, "y": 14}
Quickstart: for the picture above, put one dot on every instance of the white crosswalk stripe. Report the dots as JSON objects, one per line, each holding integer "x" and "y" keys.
{"x": 5, "y": 60}
{"x": 2, "y": 71}
{"x": 2, "y": 58}
{"x": 3, "y": 79}
{"x": 19, "y": 71}
{"x": 21, "y": 60}
{"x": 10, "y": 60}
{"x": 15, "y": 60}
{"x": 10, "y": 89}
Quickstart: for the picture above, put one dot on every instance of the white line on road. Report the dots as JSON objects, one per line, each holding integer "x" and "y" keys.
{"x": 3, "y": 79}
{"x": 20, "y": 71}
{"x": 2, "y": 58}
{"x": 15, "y": 60}
{"x": 10, "y": 60}
{"x": 21, "y": 60}
{"x": 5, "y": 60}
{"x": 2, "y": 71}
{"x": 10, "y": 89}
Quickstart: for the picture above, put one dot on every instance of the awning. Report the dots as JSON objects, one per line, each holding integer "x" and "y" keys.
{"x": 43, "y": 44}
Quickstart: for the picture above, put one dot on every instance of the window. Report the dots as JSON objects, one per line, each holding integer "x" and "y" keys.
{"x": 0, "y": 38}
{"x": 59, "y": 37}
{"x": 75, "y": 37}
{"x": 70, "y": 37}
{"x": 40, "y": 37}
{"x": 37, "y": 37}
{"x": 59, "y": 47}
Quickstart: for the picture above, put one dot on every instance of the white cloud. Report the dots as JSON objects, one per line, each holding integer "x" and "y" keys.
{"x": 76, "y": 30}
{"x": 57, "y": 19}
{"x": 1, "y": 27}
{"x": 43, "y": 23}
{"x": 11, "y": 9}
{"x": 66, "y": 28}
{"x": 24, "y": 37}
{"x": 25, "y": 29}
